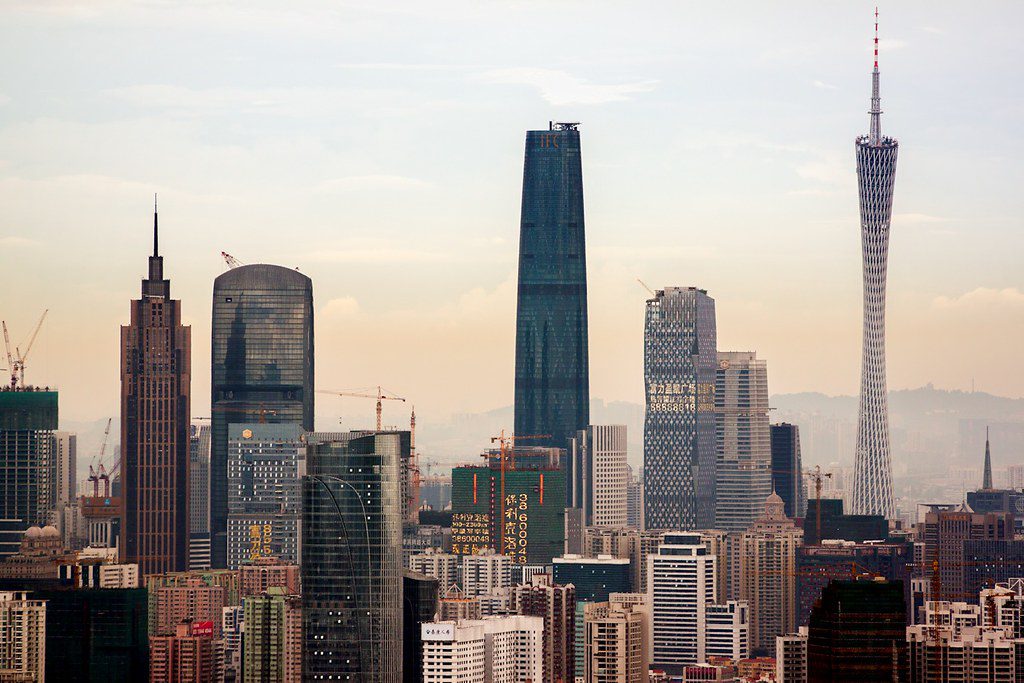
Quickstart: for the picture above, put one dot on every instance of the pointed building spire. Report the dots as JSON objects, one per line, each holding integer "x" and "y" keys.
{"x": 156, "y": 249}
{"x": 875, "y": 132}
{"x": 987, "y": 477}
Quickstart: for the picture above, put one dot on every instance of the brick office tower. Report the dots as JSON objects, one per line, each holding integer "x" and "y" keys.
{"x": 156, "y": 373}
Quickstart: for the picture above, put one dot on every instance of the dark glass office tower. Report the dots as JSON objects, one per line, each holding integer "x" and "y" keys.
{"x": 680, "y": 360}
{"x": 156, "y": 381}
{"x": 552, "y": 367}
{"x": 352, "y": 558}
{"x": 787, "y": 470}
{"x": 262, "y": 361}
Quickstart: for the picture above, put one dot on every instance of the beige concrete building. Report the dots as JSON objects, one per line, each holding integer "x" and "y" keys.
{"x": 617, "y": 640}
{"x": 22, "y": 637}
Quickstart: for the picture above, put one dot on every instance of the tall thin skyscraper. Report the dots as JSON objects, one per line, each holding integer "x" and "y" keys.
{"x": 156, "y": 376}
{"x": 876, "y": 174}
{"x": 680, "y": 358}
{"x": 787, "y": 469}
{"x": 552, "y": 385}
{"x": 742, "y": 441}
{"x": 986, "y": 479}
{"x": 598, "y": 476}
{"x": 262, "y": 367}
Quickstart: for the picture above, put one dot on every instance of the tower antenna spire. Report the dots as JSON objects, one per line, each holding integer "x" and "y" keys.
{"x": 156, "y": 251}
{"x": 875, "y": 133}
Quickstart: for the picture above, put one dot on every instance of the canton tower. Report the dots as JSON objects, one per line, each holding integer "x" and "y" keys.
{"x": 876, "y": 171}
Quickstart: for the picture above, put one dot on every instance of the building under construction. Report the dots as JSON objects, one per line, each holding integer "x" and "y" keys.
{"x": 517, "y": 509}
{"x": 28, "y": 448}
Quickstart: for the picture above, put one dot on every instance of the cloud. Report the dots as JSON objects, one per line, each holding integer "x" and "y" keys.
{"x": 1009, "y": 297}
{"x": 15, "y": 241}
{"x": 562, "y": 88}
{"x": 362, "y": 183}
{"x": 340, "y": 308}
{"x": 824, "y": 86}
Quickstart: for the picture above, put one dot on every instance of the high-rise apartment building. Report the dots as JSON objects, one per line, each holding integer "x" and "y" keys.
{"x": 257, "y": 576}
{"x": 681, "y": 585}
{"x": 352, "y": 558}
{"x": 680, "y": 358}
{"x": 617, "y": 641}
{"x": 634, "y": 501}
{"x": 156, "y": 376}
{"x": 597, "y": 476}
{"x": 742, "y": 440}
{"x": 557, "y": 606}
{"x": 66, "y": 462}
{"x": 199, "y": 495}
{"x": 506, "y": 649}
{"x": 876, "y": 175}
{"x": 946, "y": 533}
{"x": 192, "y": 654}
{"x": 232, "y": 630}
{"x": 28, "y": 450}
{"x": 262, "y": 367}
{"x": 441, "y": 565}
{"x": 195, "y": 601}
{"x": 787, "y": 468}
{"x": 266, "y": 463}
{"x": 552, "y": 380}
{"x": 767, "y": 573}
{"x": 485, "y": 573}
{"x": 857, "y": 633}
{"x": 727, "y": 631}
{"x": 977, "y": 655}
{"x": 272, "y": 638}
{"x": 22, "y": 637}
{"x": 791, "y": 657}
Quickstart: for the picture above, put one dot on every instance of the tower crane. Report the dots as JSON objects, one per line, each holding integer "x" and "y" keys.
{"x": 506, "y": 442}
{"x": 230, "y": 260}
{"x": 816, "y": 475}
{"x": 644, "y": 285}
{"x": 380, "y": 396}
{"x": 16, "y": 361}
{"x": 95, "y": 477}
{"x": 261, "y": 411}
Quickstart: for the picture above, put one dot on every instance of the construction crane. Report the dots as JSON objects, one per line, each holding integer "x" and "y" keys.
{"x": 16, "y": 361}
{"x": 380, "y": 396}
{"x": 506, "y": 442}
{"x": 644, "y": 285}
{"x": 230, "y": 260}
{"x": 816, "y": 475}
{"x": 412, "y": 503}
{"x": 94, "y": 477}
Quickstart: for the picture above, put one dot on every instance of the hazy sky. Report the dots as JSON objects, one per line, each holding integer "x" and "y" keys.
{"x": 378, "y": 147}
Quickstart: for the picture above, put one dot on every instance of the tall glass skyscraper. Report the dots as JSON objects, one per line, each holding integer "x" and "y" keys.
{"x": 552, "y": 387}
{"x": 876, "y": 174}
{"x": 262, "y": 362}
{"x": 352, "y": 558}
{"x": 743, "y": 470}
{"x": 156, "y": 376}
{"x": 680, "y": 359}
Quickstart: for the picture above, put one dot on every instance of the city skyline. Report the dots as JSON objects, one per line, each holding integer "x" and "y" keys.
{"x": 942, "y": 287}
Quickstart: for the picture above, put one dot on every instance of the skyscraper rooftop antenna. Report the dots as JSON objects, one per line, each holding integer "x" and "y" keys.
{"x": 156, "y": 251}
{"x": 875, "y": 133}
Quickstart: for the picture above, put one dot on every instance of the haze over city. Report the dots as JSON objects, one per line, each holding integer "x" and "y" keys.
{"x": 377, "y": 147}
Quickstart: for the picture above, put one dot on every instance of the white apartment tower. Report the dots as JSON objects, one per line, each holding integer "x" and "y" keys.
{"x": 485, "y": 573}
{"x": 681, "y": 585}
{"x": 492, "y": 650}
{"x": 597, "y": 479}
{"x": 22, "y": 637}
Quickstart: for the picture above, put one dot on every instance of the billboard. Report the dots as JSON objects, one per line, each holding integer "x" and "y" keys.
{"x": 433, "y": 632}
{"x": 202, "y": 628}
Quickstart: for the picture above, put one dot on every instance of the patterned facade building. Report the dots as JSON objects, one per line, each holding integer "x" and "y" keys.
{"x": 876, "y": 175}
{"x": 680, "y": 358}
{"x": 28, "y": 448}
{"x": 743, "y": 468}
{"x": 262, "y": 367}
{"x": 552, "y": 385}
{"x": 352, "y": 558}
{"x": 156, "y": 375}
{"x": 597, "y": 475}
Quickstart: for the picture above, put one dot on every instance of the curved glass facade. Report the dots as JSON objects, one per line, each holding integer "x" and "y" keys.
{"x": 352, "y": 559}
{"x": 552, "y": 386}
{"x": 262, "y": 362}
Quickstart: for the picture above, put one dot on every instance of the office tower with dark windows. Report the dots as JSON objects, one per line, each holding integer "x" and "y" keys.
{"x": 419, "y": 606}
{"x": 597, "y": 476}
{"x": 876, "y": 175}
{"x": 352, "y": 558}
{"x": 552, "y": 385}
{"x": 262, "y": 366}
{"x": 28, "y": 451}
{"x": 743, "y": 469}
{"x": 199, "y": 495}
{"x": 857, "y": 633}
{"x": 680, "y": 358}
{"x": 787, "y": 470}
{"x": 266, "y": 463}
{"x": 156, "y": 376}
